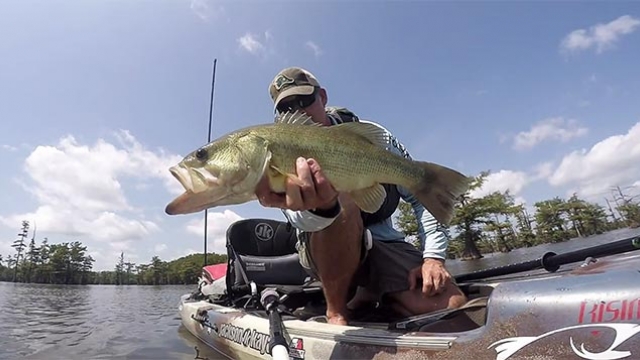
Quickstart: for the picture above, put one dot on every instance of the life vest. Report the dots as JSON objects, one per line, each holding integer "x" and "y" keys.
{"x": 392, "y": 199}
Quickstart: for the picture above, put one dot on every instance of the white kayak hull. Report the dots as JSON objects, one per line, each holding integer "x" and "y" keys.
{"x": 242, "y": 336}
{"x": 590, "y": 312}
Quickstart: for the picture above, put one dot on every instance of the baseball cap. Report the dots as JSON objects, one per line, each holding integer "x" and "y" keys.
{"x": 292, "y": 81}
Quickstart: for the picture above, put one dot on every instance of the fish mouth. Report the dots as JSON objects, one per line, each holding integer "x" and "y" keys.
{"x": 202, "y": 190}
{"x": 182, "y": 175}
{"x": 195, "y": 180}
{"x": 190, "y": 202}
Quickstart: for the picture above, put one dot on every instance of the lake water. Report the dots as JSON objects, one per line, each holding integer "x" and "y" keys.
{"x": 141, "y": 322}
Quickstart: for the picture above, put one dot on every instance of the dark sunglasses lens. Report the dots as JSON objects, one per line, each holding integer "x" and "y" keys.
{"x": 300, "y": 102}
{"x": 306, "y": 101}
{"x": 283, "y": 107}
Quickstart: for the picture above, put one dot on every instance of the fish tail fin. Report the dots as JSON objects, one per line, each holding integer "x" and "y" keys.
{"x": 439, "y": 189}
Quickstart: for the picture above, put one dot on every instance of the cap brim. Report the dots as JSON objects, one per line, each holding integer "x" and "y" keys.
{"x": 297, "y": 90}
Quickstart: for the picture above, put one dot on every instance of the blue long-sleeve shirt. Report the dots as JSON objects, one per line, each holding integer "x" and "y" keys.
{"x": 433, "y": 236}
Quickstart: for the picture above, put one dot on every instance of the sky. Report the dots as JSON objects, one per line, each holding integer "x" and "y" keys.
{"x": 99, "y": 98}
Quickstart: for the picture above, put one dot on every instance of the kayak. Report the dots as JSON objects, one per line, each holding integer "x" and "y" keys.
{"x": 583, "y": 304}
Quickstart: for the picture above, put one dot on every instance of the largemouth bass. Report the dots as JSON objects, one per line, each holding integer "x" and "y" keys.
{"x": 353, "y": 157}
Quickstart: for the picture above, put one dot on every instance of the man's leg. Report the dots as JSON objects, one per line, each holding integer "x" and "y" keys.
{"x": 413, "y": 302}
{"x": 389, "y": 265}
{"x": 335, "y": 252}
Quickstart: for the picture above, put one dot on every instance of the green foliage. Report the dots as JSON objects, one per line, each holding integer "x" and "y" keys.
{"x": 494, "y": 222}
{"x": 70, "y": 263}
{"x": 406, "y": 221}
{"x": 630, "y": 211}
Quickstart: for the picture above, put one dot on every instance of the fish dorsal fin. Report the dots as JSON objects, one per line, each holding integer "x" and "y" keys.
{"x": 373, "y": 133}
{"x": 296, "y": 118}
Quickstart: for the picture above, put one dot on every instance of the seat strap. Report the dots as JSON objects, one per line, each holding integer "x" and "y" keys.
{"x": 238, "y": 259}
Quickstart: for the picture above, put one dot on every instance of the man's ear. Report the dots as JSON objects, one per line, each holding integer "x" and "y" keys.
{"x": 323, "y": 96}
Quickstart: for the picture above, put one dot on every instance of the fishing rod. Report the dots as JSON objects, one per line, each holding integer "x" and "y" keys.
{"x": 206, "y": 211}
{"x": 278, "y": 347}
{"x": 551, "y": 261}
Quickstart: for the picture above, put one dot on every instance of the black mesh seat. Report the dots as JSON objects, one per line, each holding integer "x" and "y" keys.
{"x": 263, "y": 251}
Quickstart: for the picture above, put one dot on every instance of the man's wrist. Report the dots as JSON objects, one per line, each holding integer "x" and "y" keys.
{"x": 429, "y": 259}
{"x": 330, "y": 211}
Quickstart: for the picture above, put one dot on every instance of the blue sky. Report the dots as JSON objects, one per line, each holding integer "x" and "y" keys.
{"x": 99, "y": 98}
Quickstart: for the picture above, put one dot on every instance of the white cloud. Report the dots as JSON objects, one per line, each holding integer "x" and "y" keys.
{"x": 9, "y": 147}
{"x": 217, "y": 224}
{"x": 543, "y": 170}
{"x": 614, "y": 161}
{"x": 206, "y": 10}
{"x": 251, "y": 44}
{"x": 600, "y": 36}
{"x": 317, "y": 51}
{"x": 160, "y": 248}
{"x": 503, "y": 180}
{"x": 6, "y": 250}
{"x": 80, "y": 188}
{"x": 558, "y": 129}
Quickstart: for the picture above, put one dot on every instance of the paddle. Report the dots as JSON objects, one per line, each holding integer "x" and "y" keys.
{"x": 277, "y": 344}
{"x": 551, "y": 261}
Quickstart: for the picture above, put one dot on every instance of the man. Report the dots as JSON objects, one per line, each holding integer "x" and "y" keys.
{"x": 331, "y": 228}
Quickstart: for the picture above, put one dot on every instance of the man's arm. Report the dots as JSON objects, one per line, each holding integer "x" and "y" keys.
{"x": 434, "y": 240}
{"x": 433, "y": 236}
{"x": 308, "y": 221}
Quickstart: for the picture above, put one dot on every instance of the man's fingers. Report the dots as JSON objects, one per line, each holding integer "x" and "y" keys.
{"x": 426, "y": 287}
{"x": 272, "y": 200}
{"x": 294, "y": 197}
{"x": 268, "y": 198}
{"x": 436, "y": 285}
{"x": 324, "y": 189}
{"x": 307, "y": 185}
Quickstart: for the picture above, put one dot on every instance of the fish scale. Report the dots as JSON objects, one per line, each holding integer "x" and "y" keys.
{"x": 328, "y": 149}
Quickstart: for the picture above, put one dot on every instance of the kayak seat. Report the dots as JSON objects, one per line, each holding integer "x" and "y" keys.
{"x": 263, "y": 251}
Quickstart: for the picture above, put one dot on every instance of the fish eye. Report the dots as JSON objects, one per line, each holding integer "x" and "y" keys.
{"x": 201, "y": 154}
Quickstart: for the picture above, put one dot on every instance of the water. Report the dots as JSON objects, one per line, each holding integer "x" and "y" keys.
{"x": 141, "y": 322}
{"x": 523, "y": 254}
{"x": 94, "y": 322}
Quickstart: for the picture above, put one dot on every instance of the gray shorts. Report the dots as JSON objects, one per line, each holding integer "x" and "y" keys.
{"x": 384, "y": 269}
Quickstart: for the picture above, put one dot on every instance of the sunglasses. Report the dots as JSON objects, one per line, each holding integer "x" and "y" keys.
{"x": 297, "y": 102}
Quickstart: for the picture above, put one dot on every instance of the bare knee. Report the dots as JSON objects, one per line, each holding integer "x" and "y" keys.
{"x": 416, "y": 303}
{"x": 457, "y": 298}
{"x": 452, "y": 297}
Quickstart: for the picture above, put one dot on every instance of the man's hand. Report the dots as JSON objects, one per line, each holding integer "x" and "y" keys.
{"x": 433, "y": 274}
{"x": 310, "y": 190}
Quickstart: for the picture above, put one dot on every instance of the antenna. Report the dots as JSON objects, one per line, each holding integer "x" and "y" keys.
{"x": 206, "y": 211}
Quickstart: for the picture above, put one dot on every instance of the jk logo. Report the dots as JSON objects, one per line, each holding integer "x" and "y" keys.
{"x": 264, "y": 231}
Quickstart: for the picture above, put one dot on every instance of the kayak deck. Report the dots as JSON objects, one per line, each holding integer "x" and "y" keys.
{"x": 528, "y": 317}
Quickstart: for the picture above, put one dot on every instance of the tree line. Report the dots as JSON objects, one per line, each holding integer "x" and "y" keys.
{"x": 70, "y": 263}
{"x": 492, "y": 223}
{"x": 495, "y": 223}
